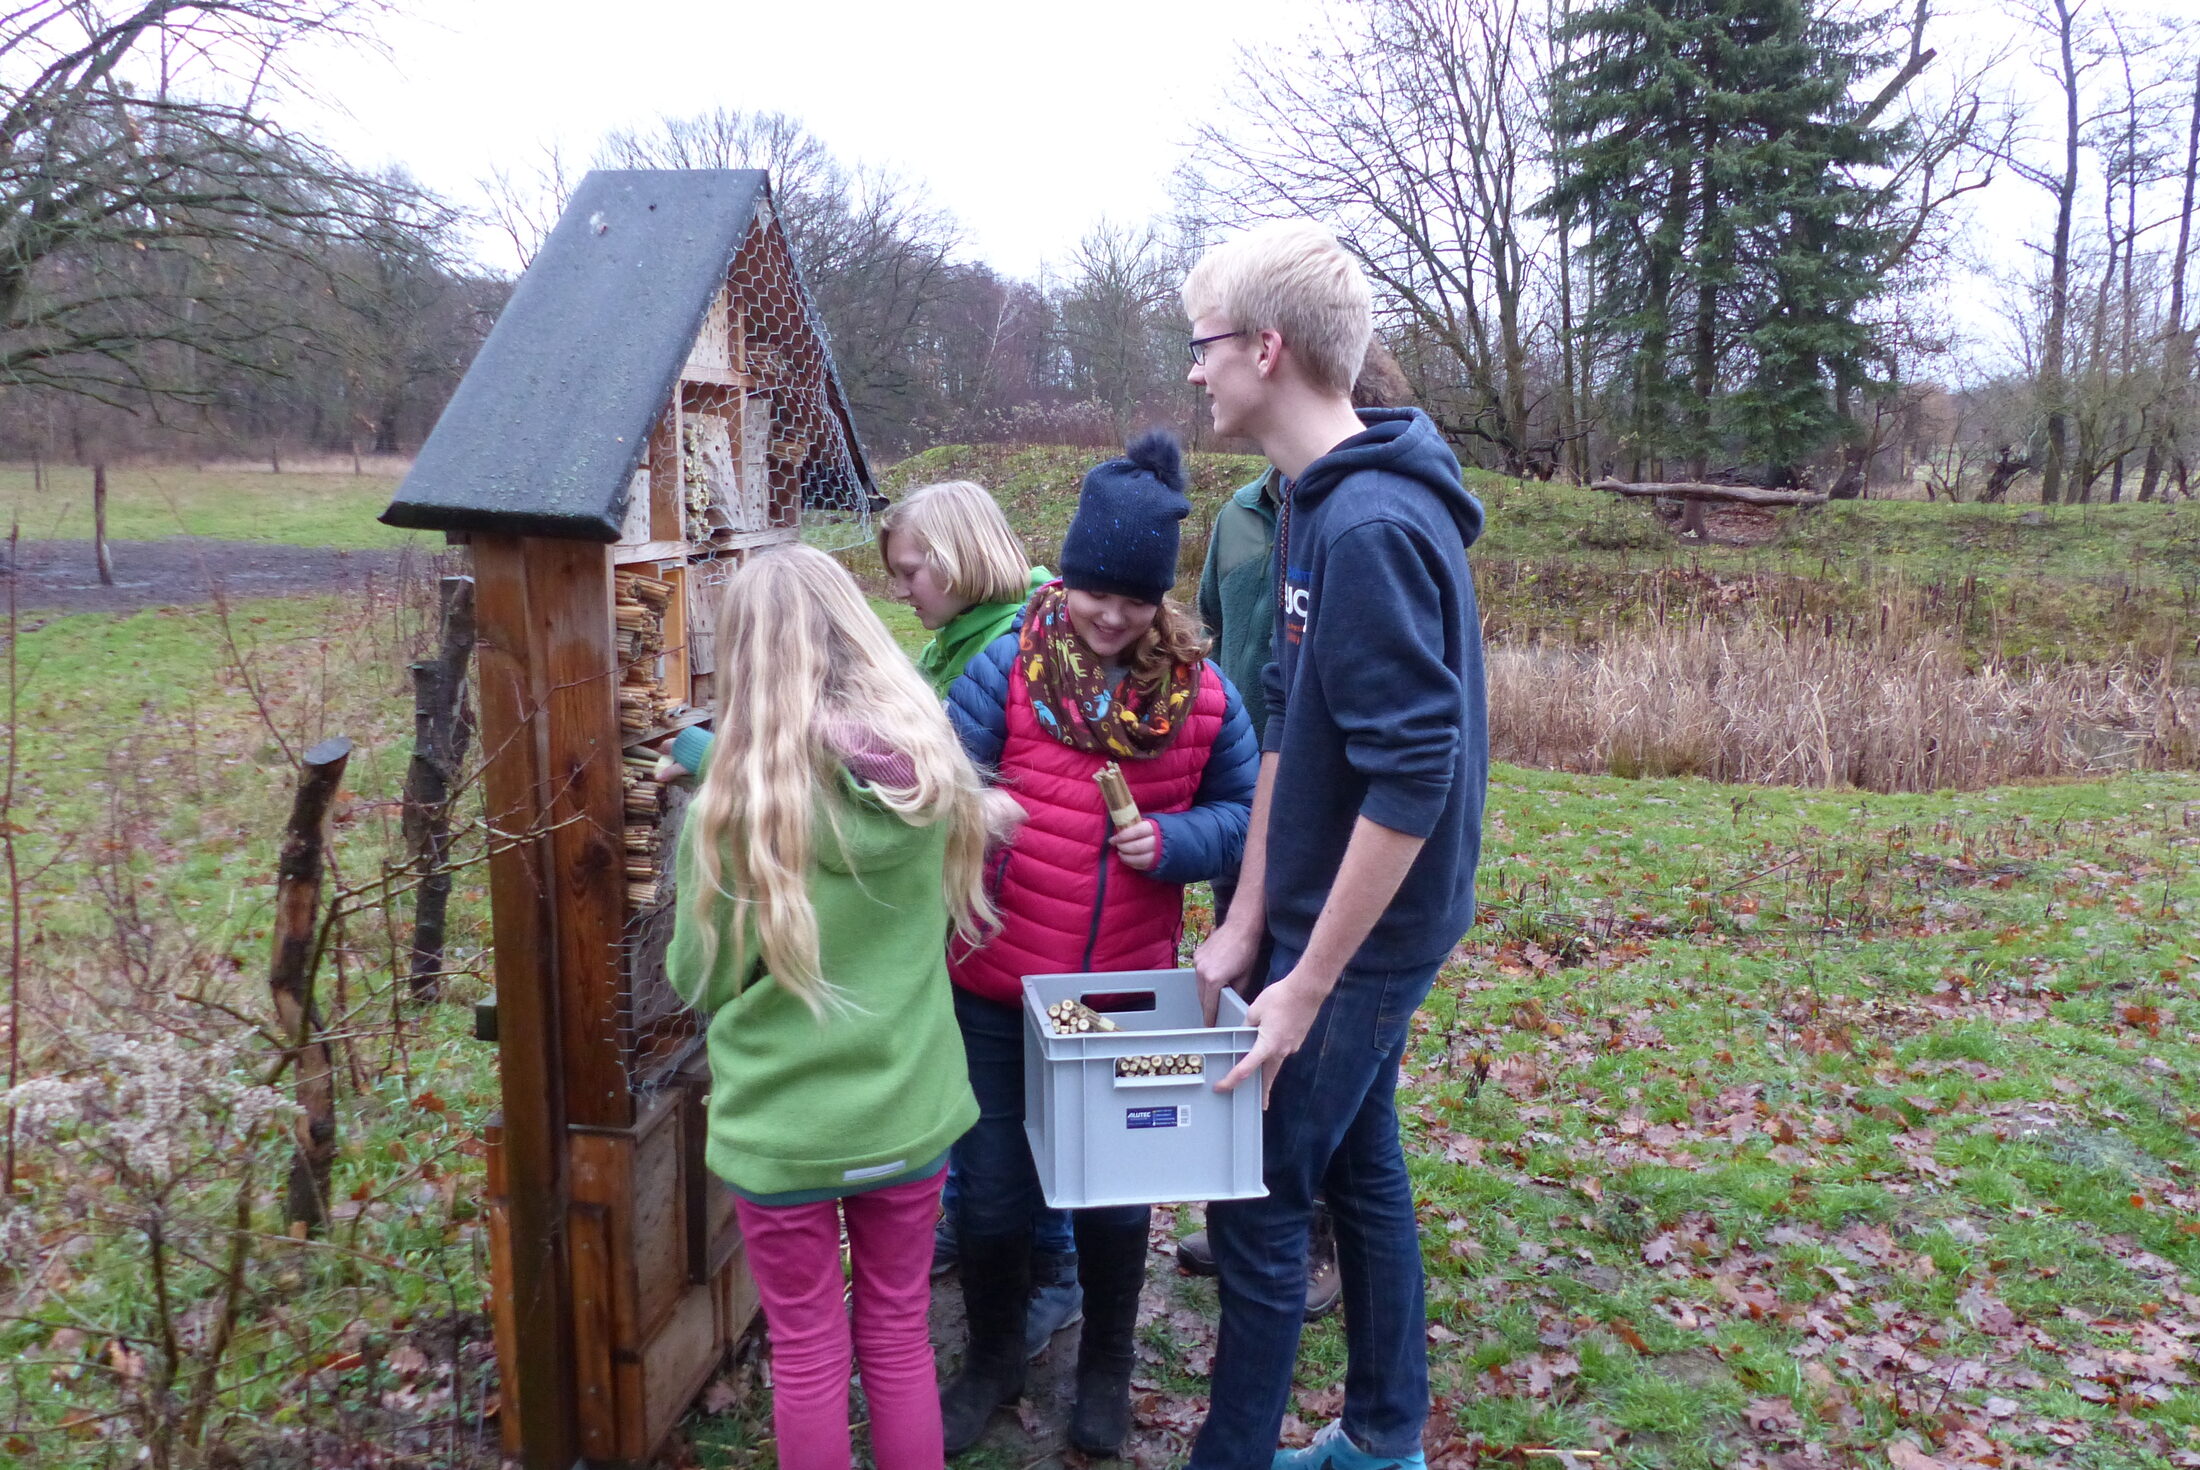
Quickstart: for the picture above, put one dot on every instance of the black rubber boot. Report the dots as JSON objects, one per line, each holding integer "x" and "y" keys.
{"x": 996, "y": 1283}
{"x": 1111, "y": 1264}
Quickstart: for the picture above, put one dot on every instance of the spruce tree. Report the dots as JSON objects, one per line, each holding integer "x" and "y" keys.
{"x": 1719, "y": 145}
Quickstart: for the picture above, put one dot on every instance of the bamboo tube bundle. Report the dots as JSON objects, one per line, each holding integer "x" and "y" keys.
{"x": 643, "y": 799}
{"x": 1116, "y": 792}
{"x": 1171, "y": 1064}
{"x": 1071, "y": 1017}
{"x": 653, "y": 592}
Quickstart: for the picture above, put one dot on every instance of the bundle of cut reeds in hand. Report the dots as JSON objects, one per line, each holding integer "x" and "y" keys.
{"x": 1116, "y": 792}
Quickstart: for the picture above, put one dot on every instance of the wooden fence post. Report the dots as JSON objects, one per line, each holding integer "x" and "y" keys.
{"x": 442, "y": 724}
{"x": 298, "y": 875}
{"x": 100, "y": 552}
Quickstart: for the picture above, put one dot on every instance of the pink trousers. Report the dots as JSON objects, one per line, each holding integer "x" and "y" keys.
{"x": 794, "y": 1251}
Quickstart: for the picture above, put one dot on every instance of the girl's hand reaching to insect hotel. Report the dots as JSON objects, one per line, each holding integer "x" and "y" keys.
{"x": 1138, "y": 845}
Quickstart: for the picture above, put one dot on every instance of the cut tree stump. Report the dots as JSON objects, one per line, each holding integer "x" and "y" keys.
{"x": 298, "y": 875}
{"x": 1696, "y": 494}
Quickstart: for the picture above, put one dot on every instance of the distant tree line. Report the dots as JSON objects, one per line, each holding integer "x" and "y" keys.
{"x": 1653, "y": 238}
{"x": 1667, "y": 238}
{"x": 180, "y": 273}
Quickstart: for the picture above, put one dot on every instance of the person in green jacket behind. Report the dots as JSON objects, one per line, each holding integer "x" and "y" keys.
{"x": 1237, "y": 602}
{"x": 836, "y": 839}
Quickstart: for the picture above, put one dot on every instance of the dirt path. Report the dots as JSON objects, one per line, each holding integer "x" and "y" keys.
{"x": 61, "y": 576}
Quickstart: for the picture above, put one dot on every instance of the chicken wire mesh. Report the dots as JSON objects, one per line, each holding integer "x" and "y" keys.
{"x": 754, "y": 452}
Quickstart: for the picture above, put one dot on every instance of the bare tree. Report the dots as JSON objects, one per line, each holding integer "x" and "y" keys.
{"x": 1119, "y": 321}
{"x": 1412, "y": 127}
{"x": 2171, "y": 414}
{"x": 2061, "y": 24}
{"x": 140, "y": 176}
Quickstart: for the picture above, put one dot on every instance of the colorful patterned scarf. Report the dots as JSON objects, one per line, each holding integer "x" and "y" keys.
{"x": 1071, "y": 696}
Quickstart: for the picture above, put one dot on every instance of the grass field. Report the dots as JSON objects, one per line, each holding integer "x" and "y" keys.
{"x": 145, "y": 503}
{"x": 2009, "y": 582}
{"x": 1750, "y": 1126}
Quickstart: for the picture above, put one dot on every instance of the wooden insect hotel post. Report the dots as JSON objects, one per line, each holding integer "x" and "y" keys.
{"x": 655, "y": 403}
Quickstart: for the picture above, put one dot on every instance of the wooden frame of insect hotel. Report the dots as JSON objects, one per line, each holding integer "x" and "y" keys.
{"x": 655, "y": 403}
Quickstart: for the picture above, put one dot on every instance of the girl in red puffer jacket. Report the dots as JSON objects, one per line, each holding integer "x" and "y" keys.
{"x": 1101, "y": 667}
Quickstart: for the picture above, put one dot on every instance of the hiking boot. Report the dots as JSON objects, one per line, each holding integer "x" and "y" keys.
{"x": 1111, "y": 1263}
{"x": 1324, "y": 1283}
{"x": 1195, "y": 1254}
{"x": 1332, "y": 1449}
{"x": 1057, "y": 1301}
{"x": 996, "y": 1283}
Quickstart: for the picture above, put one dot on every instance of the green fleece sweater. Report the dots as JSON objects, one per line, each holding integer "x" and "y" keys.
{"x": 957, "y": 643}
{"x": 871, "y": 1095}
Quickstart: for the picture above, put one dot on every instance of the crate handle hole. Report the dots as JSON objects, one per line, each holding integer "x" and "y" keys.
{"x": 1116, "y": 1002}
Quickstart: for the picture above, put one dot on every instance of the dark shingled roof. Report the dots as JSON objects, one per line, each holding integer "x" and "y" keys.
{"x": 550, "y": 422}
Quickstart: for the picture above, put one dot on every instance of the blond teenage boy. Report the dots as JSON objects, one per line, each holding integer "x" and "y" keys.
{"x": 1375, "y": 758}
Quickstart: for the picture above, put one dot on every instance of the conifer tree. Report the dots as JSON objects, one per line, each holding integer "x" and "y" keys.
{"x": 1736, "y": 229}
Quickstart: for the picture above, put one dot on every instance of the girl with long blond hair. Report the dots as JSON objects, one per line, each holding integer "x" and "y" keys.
{"x": 835, "y": 842}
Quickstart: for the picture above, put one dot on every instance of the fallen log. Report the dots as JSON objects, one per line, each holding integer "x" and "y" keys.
{"x": 1695, "y": 495}
{"x": 1693, "y": 490}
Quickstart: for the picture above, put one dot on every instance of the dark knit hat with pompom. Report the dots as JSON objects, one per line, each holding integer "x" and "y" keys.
{"x": 1124, "y": 539}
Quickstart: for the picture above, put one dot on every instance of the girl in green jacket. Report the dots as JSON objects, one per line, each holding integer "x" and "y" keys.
{"x": 836, "y": 839}
{"x": 952, "y": 556}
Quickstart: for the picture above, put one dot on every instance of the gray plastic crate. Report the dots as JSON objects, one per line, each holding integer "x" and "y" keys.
{"x": 1100, "y": 1139}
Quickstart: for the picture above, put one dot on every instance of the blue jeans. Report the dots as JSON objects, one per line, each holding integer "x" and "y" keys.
{"x": 1050, "y": 1237}
{"x": 997, "y": 1184}
{"x": 1332, "y": 1127}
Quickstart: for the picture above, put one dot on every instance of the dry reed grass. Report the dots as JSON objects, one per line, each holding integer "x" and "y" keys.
{"x": 1807, "y": 707}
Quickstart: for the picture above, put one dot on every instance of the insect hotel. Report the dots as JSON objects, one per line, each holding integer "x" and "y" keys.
{"x": 655, "y": 403}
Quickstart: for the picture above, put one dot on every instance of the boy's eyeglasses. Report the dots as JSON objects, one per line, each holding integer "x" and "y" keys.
{"x": 1198, "y": 345}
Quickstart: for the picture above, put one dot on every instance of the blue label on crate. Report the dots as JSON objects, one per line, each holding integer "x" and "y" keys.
{"x": 1177, "y": 1117}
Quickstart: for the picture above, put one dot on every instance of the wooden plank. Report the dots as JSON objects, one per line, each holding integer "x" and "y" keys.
{"x": 666, "y": 519}
{"x": 538, "y": 1372}
{"x": 739, "y": 1301}
{"x": 675, "y": 679}
{"x": 503, "y": 1326}
{"x": 695, "y": 1176}
{"x": 595, "y": 1395}
{"x": 713, "y": 377}
{"x": 649, "y": 551}
{"x": 658, "y": 1244}
{"x": 573, "y": 638}
{"x": 676, "y": 1363}
{"x": 603, "y": 1178}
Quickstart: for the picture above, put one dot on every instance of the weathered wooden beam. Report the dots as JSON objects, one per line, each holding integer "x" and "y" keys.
{"x": 538, "y": 1374}
{"x": 298, "y": 874}
{"x": 1694, "y": 490}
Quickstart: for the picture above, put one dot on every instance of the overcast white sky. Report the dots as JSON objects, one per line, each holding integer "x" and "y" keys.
{"x": 1029, "y": 122}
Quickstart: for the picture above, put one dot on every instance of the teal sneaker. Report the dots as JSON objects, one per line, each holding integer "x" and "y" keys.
{"x": 1333, "y": 1449}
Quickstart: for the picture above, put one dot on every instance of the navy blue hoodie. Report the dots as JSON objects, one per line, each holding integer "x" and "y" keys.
{"x": 1375, "y": 698}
